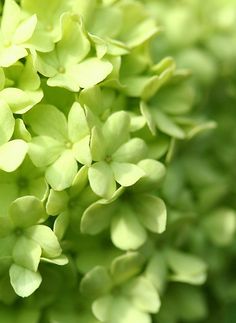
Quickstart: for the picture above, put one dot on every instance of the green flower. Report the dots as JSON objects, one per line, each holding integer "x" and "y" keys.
{"x": 129, "y": 213}
{"x": 115, "y": 155}
{"x": 48, "y": 28}
{"x": 16, "y": 30}
{"x": 121, "y": 290}
{"x": 26, "y": 180}
{"x": 12, "y": 153}
{"x": 22, "y": 90}
{"x": 70, "y": 204}
{"x": 60, "y": 143}
{"x": 69, "y": 65}
{"x": 30, "y": 243}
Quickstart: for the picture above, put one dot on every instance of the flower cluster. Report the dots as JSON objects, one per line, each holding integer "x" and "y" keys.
{"x": 92, "y": 109}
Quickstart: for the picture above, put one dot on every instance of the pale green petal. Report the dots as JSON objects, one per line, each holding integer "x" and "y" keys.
{"x": 29, "y": 79}
{"x": 143, "y": 294}
{"x": 10, "y": 55}
{"x": 2, "y": 79}
{"x": 96, "y": 282}
{"x": 61, "y": 224}
{"x": 25, "y": 30}
{"x": 12, "y": 154}
{"x": 101, "y": 179}
{"x": 10, "y": 18}
{"x": 126, "y": 231}
{"x": 126, "y": 174}
{"x": 97, "y": 217}
{"x": 47, "y": 120}
{"x": 24, "y": 281}
{"x": 21, "y": 131}
{"x": 97, "y": 144}
{"x": 186, "y": 268}
{"x": 57, "y": 202}
{"x": 81, "y": 151}
{"x": 68, "y": 79}
{"x": 74, "y": 45}
{"x": 26, "y": 253}
{"x": 44, "y": 150}
{"x": 93, "y": 71}
{"x": 166, "y": 125}
{"x": 46, "y": 64}
{"x": 7, "y": 122}
{"x": 77, "y": 123}
{"x": 116, "y": 130}
{"x": 20, "y": 101}
{"x": 131, "y": 152}
{"x": 152, "y": 213}
{"x": 46, "y": 238}
{"x": 26, "y": 211}
{"x": 61, "y": 173}
{"x": 126, "y": 266}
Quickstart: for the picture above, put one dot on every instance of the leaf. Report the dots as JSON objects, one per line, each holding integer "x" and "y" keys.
{"x": 12, "y": 154}
{"x": 126, "y": 231}
{"x": 62, "y": 172}
{"x": 46, "y": 238}
{"x": 7, "y": 122}
{"x": 24, "y": 281}
{"x": 126, "y": 174}
{"x": 101, "y": 179}
{"x": 26, "y": 211}
{"x": 26, "y": 253}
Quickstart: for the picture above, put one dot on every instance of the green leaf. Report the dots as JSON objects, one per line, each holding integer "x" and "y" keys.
{"x": 96, "y": 282}
{"x": 47, "y": 240}
{"x": 12, "y": 154}
{"x": 126, "y": 231}
{"x": 143, "y": 294}
{"x": 152, "y": 213}
{"x": 62, "y": 172}
{"x": 93, "y": 71}
{"x": 126, "y": 174}
{"x": 24, "y": 281}
{"x": 101, "y": 179}
{"x": 26, "y": 211}
{"x": 7, "y": 122}
{"x": 6, "y": 226}
{"x": 131, "y": 152}
{"x": 26, "y": 253}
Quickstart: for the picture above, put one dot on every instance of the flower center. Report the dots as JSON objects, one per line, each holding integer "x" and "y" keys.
{"x": 18, "y": 232}
{"x": 49, "y": 27}
{"x": 22, "y": 182}
{"x": 61, "y": 70}
{"x": 68, "y": 144}
{"x": 7, "y": 43}
{"x": 108, "y": 159}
